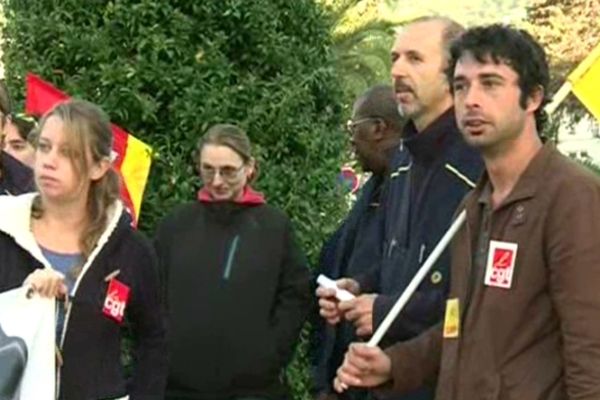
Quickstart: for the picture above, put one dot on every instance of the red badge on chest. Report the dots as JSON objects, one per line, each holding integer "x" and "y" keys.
{"x": 500, "y": 264}
{"x": 116, "y": 299}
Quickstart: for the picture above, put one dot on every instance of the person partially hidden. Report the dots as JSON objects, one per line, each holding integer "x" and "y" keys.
{"x": 13, "y": 358}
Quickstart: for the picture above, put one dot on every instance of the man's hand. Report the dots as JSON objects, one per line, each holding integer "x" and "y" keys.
{"x": 360, "y": 312}
{"x": 47, "y": 283}
{"x": 363, "y": 366}
{"x": 328, "y": 304}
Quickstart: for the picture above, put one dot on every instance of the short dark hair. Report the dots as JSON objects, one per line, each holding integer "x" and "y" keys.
{"x": 513, "y": 47}
{"x": 25, "y": 125}
{"x": 378, "y": 101}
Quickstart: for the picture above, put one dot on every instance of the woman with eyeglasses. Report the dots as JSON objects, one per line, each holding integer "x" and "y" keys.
{"x": 237, "y": 284}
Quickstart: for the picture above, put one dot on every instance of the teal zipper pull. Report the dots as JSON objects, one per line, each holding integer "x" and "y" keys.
{"x": 230, "y": 256}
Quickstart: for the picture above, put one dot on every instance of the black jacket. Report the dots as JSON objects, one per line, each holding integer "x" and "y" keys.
{"x": 15, "y": 177}
{"x": 92, "y": 343}
{"x": 237, "y": 289}
{"x": 350, "y": 251}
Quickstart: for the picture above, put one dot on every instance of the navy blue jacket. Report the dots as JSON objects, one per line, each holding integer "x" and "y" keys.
{"x": 349, "y": 251}
{"x": 15, "y": 177}
{"x": 433, "y": 171}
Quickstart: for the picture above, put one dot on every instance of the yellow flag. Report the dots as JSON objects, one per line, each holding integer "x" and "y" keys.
{"x": 585, "y": 80}
{"x": 135, "y": 169}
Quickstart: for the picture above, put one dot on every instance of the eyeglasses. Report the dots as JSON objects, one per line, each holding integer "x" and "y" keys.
{"x": 351, "y": 125}
{"x": 227, "y": 173}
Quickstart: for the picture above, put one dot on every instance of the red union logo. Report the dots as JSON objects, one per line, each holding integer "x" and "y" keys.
{"x": 503, "y": 258}
{"x": 114, "y": 306}
{"x": 500, "y": 264}
{"x": 116, "y": 300}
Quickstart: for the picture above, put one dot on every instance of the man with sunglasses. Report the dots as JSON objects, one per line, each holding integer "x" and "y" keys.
{"x": 433, "y": 170}
{"x": 374, "y": 131}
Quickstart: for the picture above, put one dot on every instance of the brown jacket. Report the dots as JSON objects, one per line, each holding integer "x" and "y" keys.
{"x": 540, "y": 339}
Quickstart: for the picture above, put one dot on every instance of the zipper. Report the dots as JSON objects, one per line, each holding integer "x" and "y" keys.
{"x": 102, "y": 241}
{"x": 475, "y": 268}
{"x": 470, "y": 290}
{"x": 393, "y": 244}
{"x": 230, "y": 256}
{"x": 422, "y": 253}
{"x": 60, "y": 345}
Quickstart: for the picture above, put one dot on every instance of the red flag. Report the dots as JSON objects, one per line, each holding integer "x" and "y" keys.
{"x": 133, "y": 157}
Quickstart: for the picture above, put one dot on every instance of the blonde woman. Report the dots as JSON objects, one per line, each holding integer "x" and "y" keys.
{"x": 72, "y": 241}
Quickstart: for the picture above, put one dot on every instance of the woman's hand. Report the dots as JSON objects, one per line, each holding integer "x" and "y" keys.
{"x": 47, "y": 283}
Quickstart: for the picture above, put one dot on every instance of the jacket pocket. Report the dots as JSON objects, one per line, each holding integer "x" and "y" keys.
{"x": 231, "y": 252}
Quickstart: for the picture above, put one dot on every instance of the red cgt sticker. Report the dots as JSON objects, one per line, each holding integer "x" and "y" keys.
{"x": 500, "y": 264}
{"x": 116, "y": 299}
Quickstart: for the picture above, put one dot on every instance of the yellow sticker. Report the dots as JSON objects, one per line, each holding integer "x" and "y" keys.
{"x": 452, "y": 319}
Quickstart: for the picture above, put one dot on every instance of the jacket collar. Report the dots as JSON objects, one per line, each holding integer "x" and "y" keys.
{"x": 527, "y": 184}
{"x": 250, "y": 197}
{"x": 15, "y": 221}
{"x": 430, "y": 143}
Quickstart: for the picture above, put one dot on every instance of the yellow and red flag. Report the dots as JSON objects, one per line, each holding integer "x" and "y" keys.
{"x": 133, "y": 157}
{"x": 585, "y": 81}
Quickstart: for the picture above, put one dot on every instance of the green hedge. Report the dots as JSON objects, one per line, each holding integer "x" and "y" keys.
{"x": 166, "y": 70}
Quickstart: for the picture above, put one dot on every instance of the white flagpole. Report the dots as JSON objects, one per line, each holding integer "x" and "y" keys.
{"x": 558, "y": 97}
{"x": 416, "y": 281}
